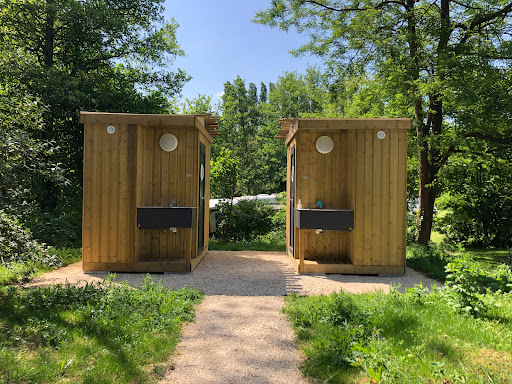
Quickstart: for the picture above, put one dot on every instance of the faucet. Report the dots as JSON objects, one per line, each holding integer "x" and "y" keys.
{"x": 172, "y": 203}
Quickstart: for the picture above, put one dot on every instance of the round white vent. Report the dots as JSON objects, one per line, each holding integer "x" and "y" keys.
{"x": 168, "y": 142}
{"x": 381, "y": 134}
{"x": 111, "y": 129}
{"x": 324, "y": 144}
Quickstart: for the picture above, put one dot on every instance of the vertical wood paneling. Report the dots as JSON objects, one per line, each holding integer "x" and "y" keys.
{"x": 393, "y": 195}
{"x": 384, "y": 208}
{"x": 128, "y": 169}
{"x": 119, "y": 209}
{"x": 359, "y": 218}
{"x": 88, "y": 194}
{"x": 402, "y": 197}
{"x": 368, "y": 197}
{"x": 376, "y": 171}
{"x": 96, "y": 206}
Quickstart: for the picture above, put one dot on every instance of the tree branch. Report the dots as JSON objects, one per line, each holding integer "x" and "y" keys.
{"x": 465, "y": 5}
{"x": 499, "y": 140}
{"x": 484, "y": 18}
{"x": 378, "y": 6}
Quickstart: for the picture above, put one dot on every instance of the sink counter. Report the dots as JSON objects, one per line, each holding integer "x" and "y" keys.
{"x": 325, "y": 219}
{"x": 166, "y": 217}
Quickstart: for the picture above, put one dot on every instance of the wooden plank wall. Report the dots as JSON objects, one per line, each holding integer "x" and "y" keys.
{"x": 330, "y": 178}
{"x": 363, "y": 173}
{"x": 109, "y": 179}
{"x": 380, "y": 199}
{"x": 161, "y": 177}
{"x": 127, "y": 170}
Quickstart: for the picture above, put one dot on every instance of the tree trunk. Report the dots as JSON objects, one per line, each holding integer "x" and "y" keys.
{"x": 49, "y": 36}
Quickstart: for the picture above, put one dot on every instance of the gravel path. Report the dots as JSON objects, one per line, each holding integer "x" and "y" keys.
{"x": 240, "y": 334}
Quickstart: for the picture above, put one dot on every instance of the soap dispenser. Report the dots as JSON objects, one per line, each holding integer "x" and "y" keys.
{"x": 299, "y": 205}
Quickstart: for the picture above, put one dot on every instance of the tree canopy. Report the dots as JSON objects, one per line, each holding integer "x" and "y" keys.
{"x": 436, "y": 61}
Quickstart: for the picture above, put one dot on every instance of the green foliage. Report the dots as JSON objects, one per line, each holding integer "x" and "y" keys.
{"x": 250, "y": 219}
{"x": 478, "y": 199}
{"x": 71, "y": 55}
{"x": 430, "y": 260}
{"x": 469, "y": 283}
{"x": 20, "y": 253}
{"x": 447, "y": 67}
{"x": 408, "y": 337}
{"x": 91, "y": 334}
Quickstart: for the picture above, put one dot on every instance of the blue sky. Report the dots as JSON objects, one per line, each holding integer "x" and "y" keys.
{"x": 221, "y": 42}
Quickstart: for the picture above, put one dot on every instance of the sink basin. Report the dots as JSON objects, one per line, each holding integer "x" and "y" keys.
{"x": 166, "y": 217}
{"x": 325, "y": 219}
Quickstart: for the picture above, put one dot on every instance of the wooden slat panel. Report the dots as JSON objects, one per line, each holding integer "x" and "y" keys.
{"x": 377, "y": 252}
{"x": 385, "y": 223}
{"x": 402, "y": 198}
{"x": 368, "y": 197}
{"x": 393, "y": 195}
{"x": 359, "y": 218}
{"x": 113, "y": 171}
{"x": 88, "y": 194}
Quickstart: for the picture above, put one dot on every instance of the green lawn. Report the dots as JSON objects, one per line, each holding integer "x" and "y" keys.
{"x": 109, "y": 334}
{"x": 416, "y": 337}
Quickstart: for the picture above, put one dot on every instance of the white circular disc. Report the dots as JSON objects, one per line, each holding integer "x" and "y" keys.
{"x": 111, "y": 129}
{"x": 202, "y": 172}
{"x": 168, "y": 142}
{"x": 324, "y": 144}
{"x": 381, "y": 134}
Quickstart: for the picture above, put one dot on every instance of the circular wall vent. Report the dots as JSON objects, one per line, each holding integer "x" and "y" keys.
{"x": 168, "y": 142}
{"x": 111, "y": 129}
{"x": 381, "y": 134}
{"x": 324, "y": 144}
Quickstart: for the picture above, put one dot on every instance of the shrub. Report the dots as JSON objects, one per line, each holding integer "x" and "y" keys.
{"x": 19, "y": 252}
{"x": 249, "y": 220}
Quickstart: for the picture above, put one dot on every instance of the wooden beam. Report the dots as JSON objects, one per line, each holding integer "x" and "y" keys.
{"x": 350, "y": 269}
{"x": 137, "y": 267}
{"x": 377, "y": 124}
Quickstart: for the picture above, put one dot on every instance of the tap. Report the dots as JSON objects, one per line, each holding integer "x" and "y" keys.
{"x": 172, "y": 203}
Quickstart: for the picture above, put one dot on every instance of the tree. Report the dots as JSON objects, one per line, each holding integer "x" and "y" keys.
{"x": 263, "y": 93}
{"x": 417, "y": 54}
{"x": 95, "y": 55}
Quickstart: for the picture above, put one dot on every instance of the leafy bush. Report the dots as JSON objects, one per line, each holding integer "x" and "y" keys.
{"x": 18, "y": 250}
{"x": 249, "y": 220}
{"x": 430, "y": 260}
{"x": 478, "y": 201}
{"x": 469, "y": 283}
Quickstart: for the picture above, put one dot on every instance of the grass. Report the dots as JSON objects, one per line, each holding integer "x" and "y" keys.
{"x": 269, "y": 243}
{"x": 432, "y": 260}
{"x": 415, "y": 337}
{"x": 109, "y": 334}
{"x": 23, "y": 272}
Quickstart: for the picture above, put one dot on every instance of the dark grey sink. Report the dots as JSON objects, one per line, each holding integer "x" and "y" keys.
{"x": 166, "y": 217}
{"x": 326, "y": 219}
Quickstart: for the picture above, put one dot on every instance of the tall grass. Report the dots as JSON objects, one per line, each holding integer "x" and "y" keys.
{"x": 107, "y": 334}
{"x": 416, "y": 337}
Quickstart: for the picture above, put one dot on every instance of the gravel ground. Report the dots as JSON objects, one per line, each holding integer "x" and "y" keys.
{"x": 240, "y": 334}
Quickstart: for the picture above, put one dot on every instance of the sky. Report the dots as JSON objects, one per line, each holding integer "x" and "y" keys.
{"x": 221, "y": 42}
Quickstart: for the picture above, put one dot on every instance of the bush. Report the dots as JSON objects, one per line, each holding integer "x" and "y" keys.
{"x": 20, "y": 253}
{"x": 249, "y": 220}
